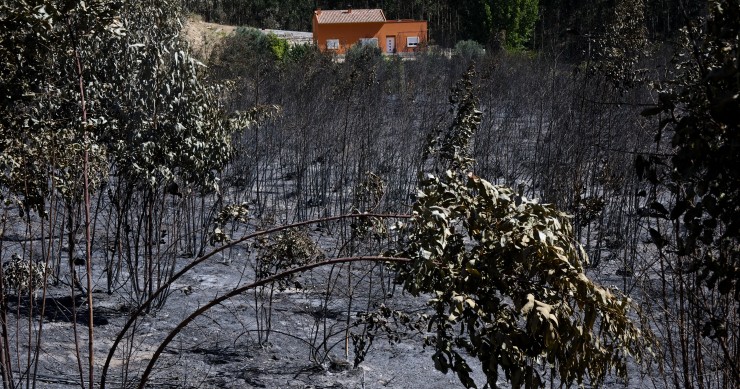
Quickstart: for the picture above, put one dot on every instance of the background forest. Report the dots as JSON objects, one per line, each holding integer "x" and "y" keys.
{"x": 134, "y": 165}
{"x": 526, "y": 23}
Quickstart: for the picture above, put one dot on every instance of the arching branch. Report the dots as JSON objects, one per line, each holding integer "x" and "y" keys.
{"x": 137, "y": 314}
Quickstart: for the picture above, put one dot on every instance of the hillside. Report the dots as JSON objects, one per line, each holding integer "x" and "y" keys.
{"x": 203, "y": 36}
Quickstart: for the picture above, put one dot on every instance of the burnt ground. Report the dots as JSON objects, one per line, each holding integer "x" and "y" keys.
{"x": 224, "y": 348}
{"x": 308, "y": 345}
{"x": 227, "y": 347}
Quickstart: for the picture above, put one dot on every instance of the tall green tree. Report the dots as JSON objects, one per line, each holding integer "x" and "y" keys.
{"x": 147, "y": 109}
{"x": 44, "y": 131}
{"x": 514, "y": 21}
{"x": 475, "y": 20}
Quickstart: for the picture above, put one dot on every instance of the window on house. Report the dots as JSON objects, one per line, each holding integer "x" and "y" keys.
{"x": 332, "y": 44}
{"x": 412, "y": 41}
{"x": 369, "y": 42}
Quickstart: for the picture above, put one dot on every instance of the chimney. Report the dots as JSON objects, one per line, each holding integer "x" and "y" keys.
{"x": 318, "y": 11}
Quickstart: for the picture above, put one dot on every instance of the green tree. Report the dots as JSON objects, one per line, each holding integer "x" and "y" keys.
{"x": 505, "y": 276}
{"x": 100, "y": 89}
{"x": 147, "y": 109}
{"x": 469, "y": 49}
{"x": 475, "y": 17}
{"x": 163, "y": 123}
{"x": 43, "y": 133}
{"x": 245, "y": 58}
{"x": 516, "y": 19}
{"x": 363, "y": 55}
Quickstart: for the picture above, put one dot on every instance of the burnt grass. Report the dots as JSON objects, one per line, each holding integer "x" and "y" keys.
{"x": 307, "y": 346}
{"x": 296, "y": 333}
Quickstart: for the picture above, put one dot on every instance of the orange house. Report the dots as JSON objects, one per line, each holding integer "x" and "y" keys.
{"x": 338, "y": 30}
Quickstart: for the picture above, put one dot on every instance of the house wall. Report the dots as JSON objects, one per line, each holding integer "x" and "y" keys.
{"x": 347, "y": 33}
{"x": 350, "y": 34}
{"x": 401, "y": 30}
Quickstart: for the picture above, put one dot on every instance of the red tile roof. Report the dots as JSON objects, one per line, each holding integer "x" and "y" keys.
{"x": 350, "y": 16}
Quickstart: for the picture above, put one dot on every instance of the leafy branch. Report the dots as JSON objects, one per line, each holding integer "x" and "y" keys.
{"x": 505, "y": 277}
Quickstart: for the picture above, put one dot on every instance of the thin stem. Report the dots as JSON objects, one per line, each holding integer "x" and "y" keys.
{"x": 136, "y": 314}
{"x": 88, "y": 240}
{"x": 6, "y": 364}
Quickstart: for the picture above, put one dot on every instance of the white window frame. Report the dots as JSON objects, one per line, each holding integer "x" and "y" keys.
{"x": 412, "y": 41}
{"x": 369, "y": 42}
{"x": 332, "y": 44}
